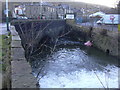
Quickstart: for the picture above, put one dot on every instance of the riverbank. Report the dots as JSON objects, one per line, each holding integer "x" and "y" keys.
{"x": 105, "y": 40}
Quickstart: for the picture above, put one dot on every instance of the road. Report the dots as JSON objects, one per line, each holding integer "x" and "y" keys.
{"x": 3, "y": 29}
{"x": 108, "y": 27}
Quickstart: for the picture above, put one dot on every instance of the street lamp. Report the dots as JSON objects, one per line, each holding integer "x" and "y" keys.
{"x": 7, "y": 21}
{"x": 41, "y": 7}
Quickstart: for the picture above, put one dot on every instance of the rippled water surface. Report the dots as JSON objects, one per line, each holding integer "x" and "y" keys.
{"x": 76, "y": 66}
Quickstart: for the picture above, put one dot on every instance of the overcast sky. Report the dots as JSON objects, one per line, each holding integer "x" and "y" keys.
{"x": 109, "y": 3}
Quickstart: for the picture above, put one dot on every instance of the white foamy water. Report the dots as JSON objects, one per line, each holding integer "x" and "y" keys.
{"x": 81, "y": 79}
{"x": 73, "y": 68}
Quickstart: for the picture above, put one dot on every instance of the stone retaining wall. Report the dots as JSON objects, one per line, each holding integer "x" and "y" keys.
{"x": 21, "y": 71}
{"x": 105, "y": 40}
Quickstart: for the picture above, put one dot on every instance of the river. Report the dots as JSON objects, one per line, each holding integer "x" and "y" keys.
{"x": 76, "y": 66}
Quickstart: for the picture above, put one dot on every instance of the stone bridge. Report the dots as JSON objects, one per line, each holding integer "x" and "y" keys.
{"x": 35, "y": 33}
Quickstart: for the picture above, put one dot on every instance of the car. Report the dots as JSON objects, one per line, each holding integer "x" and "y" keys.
{"x": 21, "y": 17}
{"x": 109, "y": 19}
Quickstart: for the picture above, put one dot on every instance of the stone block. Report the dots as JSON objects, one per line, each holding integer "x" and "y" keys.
{"x": 17, "y": 54}
{"x": 22, "y": 76}
{"x": 16, "y": 38}
{"x": 16, "y": 44}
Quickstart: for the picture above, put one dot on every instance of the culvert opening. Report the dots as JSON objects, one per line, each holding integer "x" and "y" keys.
{"x": 107, "y": 51}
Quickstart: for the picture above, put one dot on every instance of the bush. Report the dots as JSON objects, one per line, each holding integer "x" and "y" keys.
{"x": 103, "y": 32}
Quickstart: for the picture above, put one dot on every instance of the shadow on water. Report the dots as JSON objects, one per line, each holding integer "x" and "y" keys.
{"x": 77, "y": 64}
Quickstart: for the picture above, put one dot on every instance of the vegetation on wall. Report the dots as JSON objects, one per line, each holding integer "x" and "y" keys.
{"x": 5, "y": 60}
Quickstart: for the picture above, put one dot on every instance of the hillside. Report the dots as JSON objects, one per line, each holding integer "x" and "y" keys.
{"x": 89, "y": 7}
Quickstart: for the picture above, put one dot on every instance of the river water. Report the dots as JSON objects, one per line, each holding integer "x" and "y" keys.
{"x": 76, "y": 66}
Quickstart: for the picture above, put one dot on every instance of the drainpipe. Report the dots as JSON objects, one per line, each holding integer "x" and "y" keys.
{"x": 7, "y": 21}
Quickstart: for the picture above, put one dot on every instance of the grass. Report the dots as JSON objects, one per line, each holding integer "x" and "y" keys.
{"x": 0, "y": 53}
{"x": 119, "y": 27}
{"x": 4, "y": 51}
